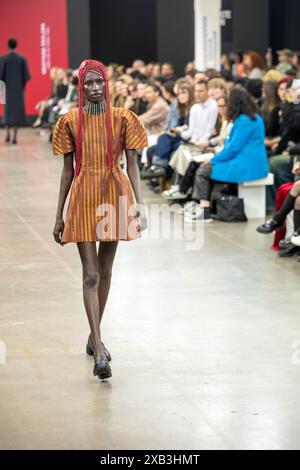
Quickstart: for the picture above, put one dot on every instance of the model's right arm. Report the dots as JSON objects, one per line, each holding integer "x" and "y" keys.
{"x": 67, "y": 176}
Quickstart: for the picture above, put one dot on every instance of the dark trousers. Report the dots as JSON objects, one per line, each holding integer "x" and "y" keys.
{"x": 203, "y": 184}
{"x": 150, "y": 154}
{"x": 188, "y": 179}
{"x": 153, "y": 159}
{"x": 166, "y": 145}
{"x": 281, "y": 166}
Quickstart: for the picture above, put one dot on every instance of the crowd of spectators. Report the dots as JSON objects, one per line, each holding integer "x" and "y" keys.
{"x": 223, "y": 126}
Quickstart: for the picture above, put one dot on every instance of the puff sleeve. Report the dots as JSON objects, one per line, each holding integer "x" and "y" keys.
{"x": 62, "y": 139}
{"x": 135, "y": 135}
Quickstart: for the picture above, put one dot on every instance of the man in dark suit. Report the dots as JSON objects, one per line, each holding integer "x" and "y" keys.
{"x": 14, "y": 73}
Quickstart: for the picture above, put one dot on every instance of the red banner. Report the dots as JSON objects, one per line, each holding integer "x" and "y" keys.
{"x": 40, "y": 27}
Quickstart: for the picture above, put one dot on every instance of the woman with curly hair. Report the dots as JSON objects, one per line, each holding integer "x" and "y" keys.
{"x": 254, "y": 64}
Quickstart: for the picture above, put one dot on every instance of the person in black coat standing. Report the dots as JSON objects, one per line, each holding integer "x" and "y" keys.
{"x": 14, "y": 72}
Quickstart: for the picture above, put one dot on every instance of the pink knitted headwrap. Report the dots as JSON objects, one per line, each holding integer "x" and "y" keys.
{"x": 86, "y": 66}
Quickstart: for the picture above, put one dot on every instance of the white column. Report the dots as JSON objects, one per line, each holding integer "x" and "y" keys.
{"x": 207, "y": 34}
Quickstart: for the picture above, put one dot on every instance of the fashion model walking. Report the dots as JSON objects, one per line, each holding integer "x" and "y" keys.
{"x": 105, "y": 205}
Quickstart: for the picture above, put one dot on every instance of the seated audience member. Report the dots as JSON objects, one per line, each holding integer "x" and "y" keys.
{"x": 285, "y": 147}
{"x": 217, "y": 143}
{"x": 213, "y": 145}
{"x": 216, "y": 88}
{"x": 160, "y": 81}
{"x": 138, "y": 69}
{"x": 284, "y": 60}
{"x": 190, "y": 66}
{"x": 41, "y": 105}
{"x": 142, "y": 102}
{"x": 168, "y": 92}
{"x": 200, "y": 77}
{"x": 121, "y": 88}
{"x": 255, "y": 88}
{"x": 172, "y": 121}
{"x": 243, "y": 158}
{"x": 295, "y": 60}
{"x": 135, "y": 100}
{"x": 68, "y": 103}
{"x": 212, "y": 73}
{"x": 59, "y": 91}
{"x": 202, "y": 122}
{"x": 238, "y": 67}
{"x": 190, "y": 76}
{"x": 167, "y": 71}
{"x": 292, "y": 73}
{"x": 156, "y": 71}
{"x": 273, "y": 126}
{"x": 155, "y": 117}
{"x": 169, "y": 141}
{"x": 112, "y": 72}
{"x": 149, "y": 70}
{"x": 117, "y": 92}
{"x": 254, "y": 64}
{"x": 226, "y": 67}
{"x": 138, "y": 64}
{"x": 291, "y": 203}
{"x": 131, "y": 101}
{"x": 270, "y": 108}
{"x": 273, "y": 75}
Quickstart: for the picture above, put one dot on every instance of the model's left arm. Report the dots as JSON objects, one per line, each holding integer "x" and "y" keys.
{"x": 135, "y": 137}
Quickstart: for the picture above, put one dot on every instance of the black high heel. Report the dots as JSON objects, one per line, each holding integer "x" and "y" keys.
{"x": 102, "y": 368}
{"x": 91, "y": 352}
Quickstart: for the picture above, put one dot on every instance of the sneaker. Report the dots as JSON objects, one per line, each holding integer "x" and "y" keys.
{"x": 177, "y": 195}
{"x": 289, "y": 251}
{"x": 187, "y": 207}
{"x": 173, "y": 189}
{"x": 296, "y": 239}
{"x": 285, "y": 242}
{"x": 37, "y": 123}
{"x": 203, "y": 214}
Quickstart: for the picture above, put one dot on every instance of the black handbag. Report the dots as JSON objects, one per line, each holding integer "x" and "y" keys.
{"x": 230, "y": 209}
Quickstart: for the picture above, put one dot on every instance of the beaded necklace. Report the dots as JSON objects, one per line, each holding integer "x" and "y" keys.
{"x": 99, "y": 107}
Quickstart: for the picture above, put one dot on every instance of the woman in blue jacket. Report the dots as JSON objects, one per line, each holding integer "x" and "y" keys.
{"x": 244, "y": 157}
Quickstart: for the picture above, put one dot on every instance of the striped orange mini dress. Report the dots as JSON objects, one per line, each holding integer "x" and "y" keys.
{"x": 91, "y": 214}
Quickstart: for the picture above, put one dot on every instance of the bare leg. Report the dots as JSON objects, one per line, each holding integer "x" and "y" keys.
{"x": 106, "y": 256}
{"x": 91, "y": 278}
